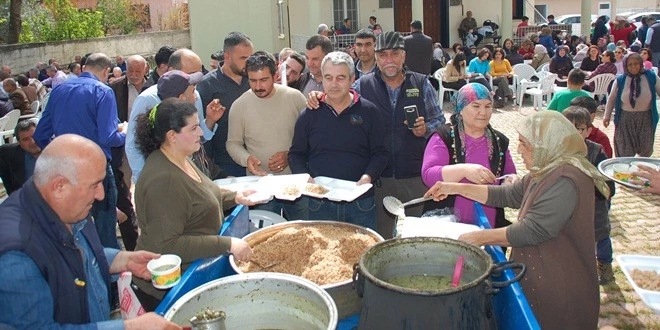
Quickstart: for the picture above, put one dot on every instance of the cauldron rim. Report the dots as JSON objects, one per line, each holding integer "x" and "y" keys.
{"x": 385, "y": 285}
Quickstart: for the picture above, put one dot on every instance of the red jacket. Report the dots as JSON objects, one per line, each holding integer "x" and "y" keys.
{"x": 621, "y": 34}
{"x": 601, "y": 138}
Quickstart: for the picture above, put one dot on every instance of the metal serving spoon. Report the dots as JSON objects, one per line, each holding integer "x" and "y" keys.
{"x": 396, "y": 207}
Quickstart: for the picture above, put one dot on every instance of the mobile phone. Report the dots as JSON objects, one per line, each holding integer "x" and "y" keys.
{"x": 411, "y": 115}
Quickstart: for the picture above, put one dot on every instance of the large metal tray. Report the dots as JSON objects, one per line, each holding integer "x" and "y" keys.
{"x": 605, "y": 167}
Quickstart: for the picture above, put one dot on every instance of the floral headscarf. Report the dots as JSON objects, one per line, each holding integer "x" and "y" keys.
{"x": 555, "y": 142}
{"x": 635, "y": 88}
{"x": 467, "y": 94}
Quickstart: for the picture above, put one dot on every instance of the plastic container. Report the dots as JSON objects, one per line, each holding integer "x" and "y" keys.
{"x": 165, "y": 271}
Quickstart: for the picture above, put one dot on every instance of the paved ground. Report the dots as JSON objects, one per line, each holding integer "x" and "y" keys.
{"x": 635, "y": 230}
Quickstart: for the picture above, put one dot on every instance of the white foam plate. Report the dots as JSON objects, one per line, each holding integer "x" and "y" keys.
{"x": 435, "y": 227}
{"x": 628, "y": 263}
{"x": 280, "y": 185}
{"x": 339, "y": 190}
{"x": 239, "y": 183}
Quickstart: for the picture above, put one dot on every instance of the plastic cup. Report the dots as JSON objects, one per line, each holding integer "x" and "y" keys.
{"x": 165, "y": 271}
{"x": 623, "y": 172}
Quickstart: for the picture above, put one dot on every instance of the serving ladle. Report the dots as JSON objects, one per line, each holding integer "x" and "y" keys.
{"x": 396, "y": 207}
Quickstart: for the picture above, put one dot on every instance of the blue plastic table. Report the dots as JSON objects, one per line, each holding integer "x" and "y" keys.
{"x": 511, "y": 306}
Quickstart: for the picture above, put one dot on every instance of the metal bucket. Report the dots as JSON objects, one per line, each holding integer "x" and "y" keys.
{"x": 260, "y": 301}
{"x": 343, "y": 293}
{"x": 387, "y": 306}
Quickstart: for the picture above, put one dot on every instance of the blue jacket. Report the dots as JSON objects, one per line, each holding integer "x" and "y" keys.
{"x": 30, "y": 226}
{"x": 548, "y": 43}
{"x": 620, "y": 82}
{"x": 406, "y": 149}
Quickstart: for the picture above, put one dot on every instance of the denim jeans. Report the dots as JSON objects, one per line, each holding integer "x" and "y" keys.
{"x": 293, "y": 210}
{"x": 360, "y": 212}
{"x": 105, "y": 213}
{"x": 604, "y": 250}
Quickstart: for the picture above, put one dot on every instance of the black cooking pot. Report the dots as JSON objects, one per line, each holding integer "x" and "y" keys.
{"x": 468, "y": 306}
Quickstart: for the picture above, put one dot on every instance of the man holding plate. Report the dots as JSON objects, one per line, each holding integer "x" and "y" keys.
{"x": 343, "y": 139}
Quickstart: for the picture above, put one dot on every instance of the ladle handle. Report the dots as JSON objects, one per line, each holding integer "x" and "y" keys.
{"x": 417, "y": 200}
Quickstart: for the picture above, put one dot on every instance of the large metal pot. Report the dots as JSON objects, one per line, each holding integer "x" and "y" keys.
{"x": 387, "y": 306}
{"x": 343, "y": 293}
{"x": 259, "y": 301}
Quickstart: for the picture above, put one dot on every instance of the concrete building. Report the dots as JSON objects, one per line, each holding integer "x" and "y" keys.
{"x": 275, "y": 24}
{"x": 610, "y": 8}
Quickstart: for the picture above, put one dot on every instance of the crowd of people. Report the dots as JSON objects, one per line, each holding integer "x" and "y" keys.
{"x": 172, "y": 130}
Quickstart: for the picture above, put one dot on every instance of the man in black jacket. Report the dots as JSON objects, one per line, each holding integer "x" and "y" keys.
{"x": 17, "y": 160}
{"x": 419, "y": 49}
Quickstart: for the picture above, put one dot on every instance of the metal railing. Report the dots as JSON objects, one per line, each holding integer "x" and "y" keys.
{"x": 339, "y": 41}
{"x": 525, "y": 32}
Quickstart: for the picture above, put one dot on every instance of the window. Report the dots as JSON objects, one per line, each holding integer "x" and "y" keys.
{"x": 541, "y": 10}
{"x": 385, "y": 3}
{"x": 345, "y": 9}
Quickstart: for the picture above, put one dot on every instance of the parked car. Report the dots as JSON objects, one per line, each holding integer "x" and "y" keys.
{"x": 637, "y": 18}
{"x": 572, "y": 19}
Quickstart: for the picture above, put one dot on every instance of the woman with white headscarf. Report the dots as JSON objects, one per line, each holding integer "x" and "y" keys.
{"x": 554, "y": 233}
{"x": 635, "y": 112}
{"x": 540, "y": 57}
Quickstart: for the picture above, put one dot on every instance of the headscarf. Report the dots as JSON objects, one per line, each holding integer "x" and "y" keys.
{"x": 561, "y": 59}
{"x": 635, "y": 88}
{"x": 611, "y": 46}
{"x": 540, "y": 49}
{"x": 467, "y": 94}
{"x": 555, "y": 142}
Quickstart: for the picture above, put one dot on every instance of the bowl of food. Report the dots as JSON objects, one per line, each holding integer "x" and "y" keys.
{"x": 624, "y": 172}
{"x": 643, "y": 273}
{"x": 323, "y": 252}
{"x": 165, "y": 271}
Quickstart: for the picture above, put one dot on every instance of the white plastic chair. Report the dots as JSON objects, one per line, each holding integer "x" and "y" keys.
{"x": 545, "y": 88}
{"x": 577, "y": 65}
{"x": 35, "y": 108}
{"x": 438, "y": 75}
{"x": 544, "y": 67}
{"x": 7, "y": 125}
{"x": 521, "y": 71}
{"x": 261, "y": 218}
{"x": 601, "y": 83}
{"x": 526, "y": 84}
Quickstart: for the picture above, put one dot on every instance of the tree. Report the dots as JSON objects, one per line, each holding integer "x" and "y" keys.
{"x": 15, "y": 21}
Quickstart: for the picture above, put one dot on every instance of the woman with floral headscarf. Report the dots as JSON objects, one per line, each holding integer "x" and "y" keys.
{"x": 540, "y": 57}
{"x": 468, "y": 150}
{"x": 554, "y": 234}
{"x": 635, "y": 113}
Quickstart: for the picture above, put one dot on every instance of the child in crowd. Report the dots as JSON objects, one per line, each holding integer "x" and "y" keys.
{"x": 581, "y": 118}
{"x": 562, "y": 99}
{"x": 596, "y": 134}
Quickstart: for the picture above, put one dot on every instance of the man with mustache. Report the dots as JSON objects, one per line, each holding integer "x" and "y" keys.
{"x": 261, "y": 127}
{"x": 365, "y": 50}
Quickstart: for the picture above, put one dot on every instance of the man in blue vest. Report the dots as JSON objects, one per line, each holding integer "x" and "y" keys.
{"x": 392, "y": 87}
{"x": 54, "y": 270}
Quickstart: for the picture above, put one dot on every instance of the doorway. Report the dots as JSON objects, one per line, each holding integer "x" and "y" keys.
{"x": 436, "y": 18}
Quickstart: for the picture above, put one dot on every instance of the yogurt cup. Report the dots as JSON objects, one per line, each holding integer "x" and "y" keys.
{"x": 165, "y": 271}
{"x": 647, "y": 164}
{"x": 623, "y": 172}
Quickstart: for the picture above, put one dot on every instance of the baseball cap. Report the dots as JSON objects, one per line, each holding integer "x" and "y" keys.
{"x": 174, "y": 83}
{"x": 389, "y": 40}
{"x": 416, "y": 24}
